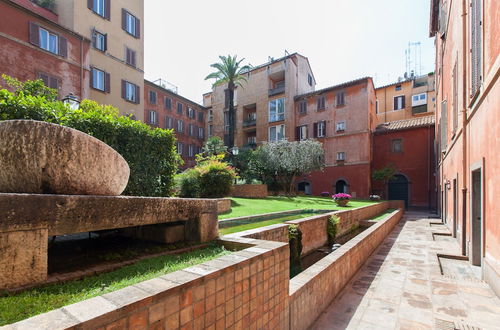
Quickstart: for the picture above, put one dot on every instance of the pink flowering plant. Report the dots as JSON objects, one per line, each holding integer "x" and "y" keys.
{"x": 341, "y": 199}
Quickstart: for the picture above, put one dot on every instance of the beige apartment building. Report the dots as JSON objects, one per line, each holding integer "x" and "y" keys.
{"x": 406, "y": 99}
{"x": 117, "y": 52}
{"x": 265, "y": 106}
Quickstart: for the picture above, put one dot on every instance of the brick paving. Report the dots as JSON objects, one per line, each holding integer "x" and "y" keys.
{"x": 401, "y": 286}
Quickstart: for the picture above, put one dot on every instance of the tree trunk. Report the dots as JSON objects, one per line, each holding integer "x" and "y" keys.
{"x": 231, "y": 114}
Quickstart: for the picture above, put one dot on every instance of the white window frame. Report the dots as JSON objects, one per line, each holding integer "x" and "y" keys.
{"x": 98, "y": 78}
{"x": 169, "y": 122}
{"x": 275, "y": 136}
{"x": 191, "y": 130}
{"x": 46, "y": 39}
{"x": 321, "y": 128}
{"x": 399, "y": 97}
{"x": 252, "y": 140}
{"x": 340, "y": 126}
{"x": 338, "y": 97}
{"x": 303, "y": 132}
{"x": 130, "y": 90}
{"x": 210, "y": 130}
{"x": 180, "y": 148}
{"x": 152, "y": 117}
{"x": 130, "y": 23}
{"x": 100, "y": 41}
{"x": 201, "y": 132}
{"x": 279, "y": 113}
{"x": 190, "y": 150}
{"x": 155, "y": 97}
{"x": 226, "y": 122}
{"x": 99, "y": 7}
{"x": 210, "y": 115}
{"x": 180, "y": 126}
{"x": 341, "y": 156}
{"x": 191, "y": 113}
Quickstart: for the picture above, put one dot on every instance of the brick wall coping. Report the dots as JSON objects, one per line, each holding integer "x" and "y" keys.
{"x": 268, "y": 216}
{"x": 99, "y": 311}
{"x": 260, "y": 230}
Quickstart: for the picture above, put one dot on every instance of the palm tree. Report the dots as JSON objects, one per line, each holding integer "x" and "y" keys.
{"x": 231, "y": 73}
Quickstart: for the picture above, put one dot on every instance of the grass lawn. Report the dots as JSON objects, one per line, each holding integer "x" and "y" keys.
{"x": 36, "y": 301}
{"x": 383, "y": 214}
{"x": 258, "y": 224}
{"x": 250, "y": 206}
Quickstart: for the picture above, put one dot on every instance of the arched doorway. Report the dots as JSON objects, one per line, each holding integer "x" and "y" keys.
{"x": 304, "y": 187}
{"x": 398, "y": 188}
{"x": 341, "y": 186}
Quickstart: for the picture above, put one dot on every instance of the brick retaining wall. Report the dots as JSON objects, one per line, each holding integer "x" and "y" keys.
{"x": 275, "y": 233}
{"x": 249, "y": 190}
{"x": 223, "y": 205}
{"x": 312, "y": 290}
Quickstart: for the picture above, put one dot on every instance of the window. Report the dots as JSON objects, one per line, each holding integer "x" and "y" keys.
{"x": 201, "y": 133}
{"x": 169, "y": 122}
{"x": 341, "y": 156}
{"x": 398, "y": 87}
{"x": 399, "y": 102}
{"x": 130, "y": 92}
{"x": 455, "y": 98}
{"x": 276, "y": 133}
{"x": 376, "y": 106}
{"x": 201, "y": 116}
{"x": 99, "y": 41}
{"x": 179, "y": 108}
{"x": 191, "y": 113}
{"x": 48, "y": 41}
{"x": 321, "y": 103}
{"x": 302, "y": 130}
{"x": 49, "y": 81}
{"x": 397, "y": 145}
{"x": 252, "y": 140}
{"x": 340, "y": 126}
{"x": 180, "y": 126}
{"x": 303, "y": 107}
{"x": 226, "y": 121}
{"x": 320, "y": 129}
{"x": 152, "y": 97}
{"x": 130, "y": 56}
{"x": 168, "y": 103}
{"x": 100, "y": 80}
{"x": 152, "y": 117}
{"x": 131, "y": 24}
{"x": 191, "y": 129}
{"x": 339, "y": 99}
{"x": 210, "y": 115}
{"x": 190, "y": 150}
{"x": 210, "y": 130}
{"x": 277, "y": 110}
{"x": 309, "y": 79}
{"x": 180, "y": 148}
{"x": 476, "y": 36}
{"x": 100, "y": 7}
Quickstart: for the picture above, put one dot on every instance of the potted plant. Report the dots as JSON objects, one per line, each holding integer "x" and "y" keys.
{"x": 341, "y": 199}
{"x": 375, "y": 198}
{"x": 325, "y": 194}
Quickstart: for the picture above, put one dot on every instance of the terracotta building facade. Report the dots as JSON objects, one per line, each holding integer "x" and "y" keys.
{"x": 166, "y": 109}
{"x": 35, "y": 46}
{"x": 468, "y": 125}
{"x": 341, "y": 117}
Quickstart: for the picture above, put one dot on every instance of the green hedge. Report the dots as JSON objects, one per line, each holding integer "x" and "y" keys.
{"x": 150, "y": 153}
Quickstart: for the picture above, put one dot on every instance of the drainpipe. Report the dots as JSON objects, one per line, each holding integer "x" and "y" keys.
{"x": 464, "y": 127}
{"x": 81, "y": 68}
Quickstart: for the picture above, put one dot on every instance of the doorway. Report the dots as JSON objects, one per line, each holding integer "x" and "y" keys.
{"x": 398, "y": 188}
{"x": 455, "y": 208}
{"x": 477, "y": 218}
{"x": 341, "y": 187}
{"x": 304, "y": 187}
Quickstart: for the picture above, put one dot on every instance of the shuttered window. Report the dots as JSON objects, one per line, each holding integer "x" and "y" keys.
{"x": 130, "y": 57}
{"x": 319, "y": 129}
{"x": 48, "y": 40}
{"x": 100, "y": 7}
{"x": 169, "y": 122}
{"x": 444, "y": 125}
{"x": 399, "y": 102}
{"x": 179, "y": 108}
{"x": 339, "y": 98}
{"x": 303, "y": 107}
{"x": 321, "y": 102}
{"x": 455, "y": 98}
{"x": 152, "y": 117}
{"x": 476, "y": 42}
{"x": 130, "y": 92}
{"x": 99, "y": 41}
{"x": 131, "y": 24}
{"x": 152, "y": 97}
{"x": 168, "y": 103}
{"x": 100, "y": 80}
{"x": 49, "y": 81}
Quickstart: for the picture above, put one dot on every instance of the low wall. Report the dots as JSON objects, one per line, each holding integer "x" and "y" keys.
{"x": 249, "y": 190}
{"x": 313, "y": 290}
{"x": 223, "y": 205}
{"x": 245, "y": 290}
{"x": 275, "y": 233}
{"x": 314, "y": 234}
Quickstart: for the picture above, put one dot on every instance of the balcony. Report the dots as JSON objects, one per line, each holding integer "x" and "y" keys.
{"x": 277, "y": 90}
{"x": 249, "y": 123}
{"x": 419, "y": 109}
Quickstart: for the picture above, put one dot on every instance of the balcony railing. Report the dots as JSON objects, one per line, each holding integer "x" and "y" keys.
{"x": 249, "y": 122}
{"x": 419, "y": 109}
{"x": 277, "y": 90}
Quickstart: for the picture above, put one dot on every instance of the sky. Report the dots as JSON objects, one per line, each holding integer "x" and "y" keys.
{"x": 343, "y": 40}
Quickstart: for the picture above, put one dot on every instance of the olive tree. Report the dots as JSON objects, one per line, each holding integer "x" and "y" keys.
{"x": 282, "y": 162}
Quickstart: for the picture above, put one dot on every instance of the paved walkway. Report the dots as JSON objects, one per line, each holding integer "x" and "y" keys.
{"x": 401, "y": 286}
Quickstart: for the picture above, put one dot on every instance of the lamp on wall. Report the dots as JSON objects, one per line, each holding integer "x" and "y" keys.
{"x": 72, "y": 100}
{"x": 447, "y": 184}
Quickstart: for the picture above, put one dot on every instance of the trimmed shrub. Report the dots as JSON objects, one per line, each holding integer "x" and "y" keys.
{"x": 188, "y": 184}
{"x": 295, "y": 243}
{"x": 150, "y": 153}
{"x": 331, "y": 228}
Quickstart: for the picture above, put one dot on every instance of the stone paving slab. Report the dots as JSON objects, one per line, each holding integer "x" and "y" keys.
{"x": 401, "y": 287}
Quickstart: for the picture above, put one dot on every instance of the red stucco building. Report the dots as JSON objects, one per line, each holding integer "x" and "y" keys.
{"x": 407, "y": 146}
{"x": 34, "y": 46}
{"x": 166, "y": 109}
